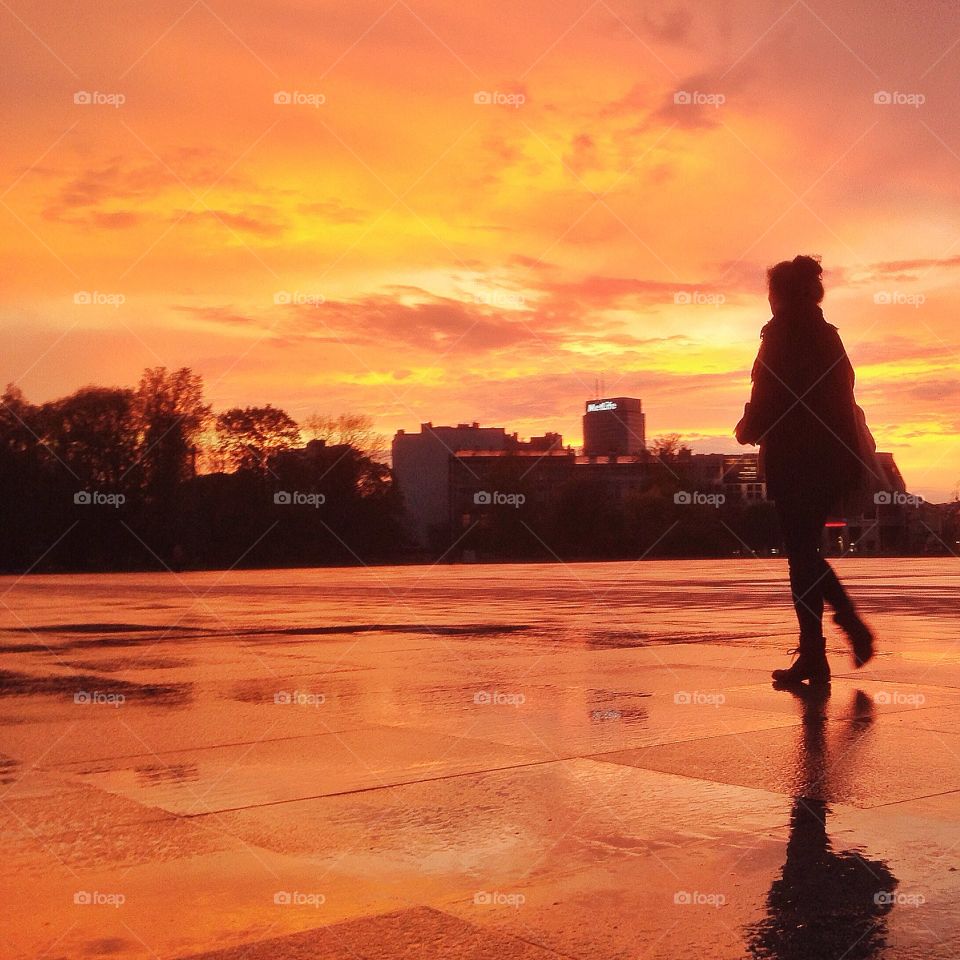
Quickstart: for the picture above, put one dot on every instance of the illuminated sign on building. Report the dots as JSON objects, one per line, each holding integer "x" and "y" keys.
{"x": 614, "y": 427}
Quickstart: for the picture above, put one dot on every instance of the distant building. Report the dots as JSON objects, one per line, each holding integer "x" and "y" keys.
{"x": 892, "y": 521}
{"x": 421, "y": 466}
{"x": 614, "y": 427}
{"x": 449, "y": 477}
{"x": 742, "y": 475}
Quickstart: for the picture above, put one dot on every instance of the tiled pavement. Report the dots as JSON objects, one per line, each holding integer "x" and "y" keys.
{"x": 476, "y": 762}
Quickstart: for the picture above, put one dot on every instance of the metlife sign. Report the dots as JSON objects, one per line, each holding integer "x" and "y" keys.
{"x": 599, "y": 406}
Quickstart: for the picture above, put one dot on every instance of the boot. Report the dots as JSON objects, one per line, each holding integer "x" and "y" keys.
{"x": 858, "y": 634}
{"x": 811, "y": 664}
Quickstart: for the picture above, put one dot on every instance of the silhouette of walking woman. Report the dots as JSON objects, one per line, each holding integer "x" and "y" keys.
{"x": 803, "y": 415}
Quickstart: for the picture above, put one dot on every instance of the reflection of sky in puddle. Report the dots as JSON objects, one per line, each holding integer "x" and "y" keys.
{"x": 83, "y": 686}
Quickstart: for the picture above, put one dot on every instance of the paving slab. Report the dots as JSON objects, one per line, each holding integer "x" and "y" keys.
{"x": 414, "y": 933}
{"x": 863, "y": 763}
{"x": 263, "y": 771}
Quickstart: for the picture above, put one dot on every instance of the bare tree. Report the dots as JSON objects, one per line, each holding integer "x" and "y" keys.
{"x": 667, "y": 446}
{"x": 355, "y": 429}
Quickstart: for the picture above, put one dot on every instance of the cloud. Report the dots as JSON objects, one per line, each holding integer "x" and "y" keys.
{"x": 331, "y": 211}
{"x": 434, "y": 324}
{"x": 674, "y": 26}
{"x": 115, "y": 219}
{"x": 218, "y": 314}
{"x": 598, "y": 291}
{"x": 900, "y": 350}
{"x": 105, "y": 194}
{"x": 86, "y": 197}
{"x": 553, "y": 318}
{"x": 582, "y": 155}
{"x": 529, "y": 263}
{"x": 257, "y": 222}
{"x": 906, "y": 269}
{"x": 926, "y": 393}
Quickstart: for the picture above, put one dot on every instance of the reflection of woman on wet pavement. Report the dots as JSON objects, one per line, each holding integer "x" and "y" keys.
{"x": 803, "y": 415}
{"x": 824, "y": 905}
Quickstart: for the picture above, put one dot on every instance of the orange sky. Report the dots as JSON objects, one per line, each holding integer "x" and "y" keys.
{"x": 450, "y": 260}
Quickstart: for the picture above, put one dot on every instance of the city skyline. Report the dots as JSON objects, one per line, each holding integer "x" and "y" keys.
{"x": 420, "y": 214}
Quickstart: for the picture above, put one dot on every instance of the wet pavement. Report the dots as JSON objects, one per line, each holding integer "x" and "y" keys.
{"x": 479, "y": 762}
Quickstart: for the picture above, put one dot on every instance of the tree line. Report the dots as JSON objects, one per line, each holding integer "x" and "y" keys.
{"x": 152, "y": 478}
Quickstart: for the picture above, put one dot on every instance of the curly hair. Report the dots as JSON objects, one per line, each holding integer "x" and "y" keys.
{"x": 796, "y": 281}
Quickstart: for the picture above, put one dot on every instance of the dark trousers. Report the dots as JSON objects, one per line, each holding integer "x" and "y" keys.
{"x": 812, "y": 579}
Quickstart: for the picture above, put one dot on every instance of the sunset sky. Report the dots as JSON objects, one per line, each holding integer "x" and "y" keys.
{"x": 385, "y": 244}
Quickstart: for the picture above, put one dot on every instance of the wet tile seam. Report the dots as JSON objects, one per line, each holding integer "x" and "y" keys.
{"x": 383, "y": 786}
{"x": 598, "y": 757}
{"x": 64, "y": 765}
{"x": 926, "y": 796}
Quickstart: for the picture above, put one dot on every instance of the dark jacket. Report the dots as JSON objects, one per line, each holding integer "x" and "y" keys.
{"x": 802, "y": 410}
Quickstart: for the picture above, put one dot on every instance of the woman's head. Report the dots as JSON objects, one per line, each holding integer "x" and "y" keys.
{"x": 795, "y": 283}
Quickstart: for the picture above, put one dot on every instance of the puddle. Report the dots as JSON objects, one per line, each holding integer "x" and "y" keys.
{"x": 89, "y": 688}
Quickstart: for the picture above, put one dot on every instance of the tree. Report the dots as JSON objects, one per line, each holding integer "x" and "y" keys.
{"x": 17, "y": 421}
{"x": 248, "y": 437}
{"x": 354, "y": 429}
{"x": 668, "y": 446}
{"x": 26, "y": 517}
{"x": 170, "y": 416}
{"x": 93, "y": 434}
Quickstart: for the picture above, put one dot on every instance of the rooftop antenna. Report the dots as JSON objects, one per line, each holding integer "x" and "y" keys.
{"x": 596, "y": 389}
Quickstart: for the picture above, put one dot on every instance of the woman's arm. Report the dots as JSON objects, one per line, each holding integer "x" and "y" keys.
{"x": 766, "y": 404}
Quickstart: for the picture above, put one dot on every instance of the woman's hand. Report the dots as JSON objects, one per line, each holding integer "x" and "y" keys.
{"x": 744, "y": 431}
